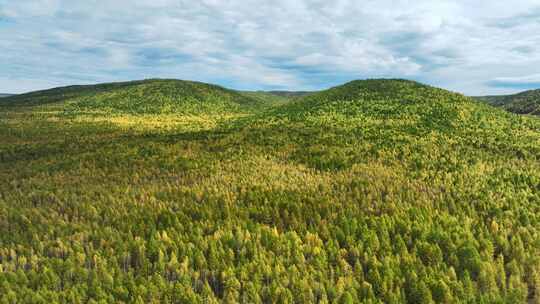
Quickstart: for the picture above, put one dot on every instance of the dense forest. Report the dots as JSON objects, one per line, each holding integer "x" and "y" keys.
{"x": 527, "y": 102}
{"x": 376, "y": 191}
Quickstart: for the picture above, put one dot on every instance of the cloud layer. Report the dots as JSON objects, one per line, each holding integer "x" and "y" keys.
{"x": 475, "y": 47}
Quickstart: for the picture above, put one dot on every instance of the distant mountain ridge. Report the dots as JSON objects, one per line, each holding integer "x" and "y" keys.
{"x": 276, "y": 97}
{"x": 291, "y": 93}
{"x": 527, "y": 102}
{"x": 5, "y": 95}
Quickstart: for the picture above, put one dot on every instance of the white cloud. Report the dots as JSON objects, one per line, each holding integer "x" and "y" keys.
{"x": 25, "y": 8}
{"x": 518, "y": 80}
{"x": 300, "y": 44}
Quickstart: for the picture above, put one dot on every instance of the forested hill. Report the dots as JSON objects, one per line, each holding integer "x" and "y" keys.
{"x": 398, "y": 118}
{"x": 527, "y": 102}
{"x": 376, "y": 191}
{"x": 5, "y": 95}
{"x": 147, "y": 96}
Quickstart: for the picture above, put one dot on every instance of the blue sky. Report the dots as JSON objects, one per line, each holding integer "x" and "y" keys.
{"x": 474, "y": 47}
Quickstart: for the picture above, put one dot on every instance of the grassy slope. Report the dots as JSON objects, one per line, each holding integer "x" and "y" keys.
{"x": 376, "y": 190}
{"x": 527, "y": 102}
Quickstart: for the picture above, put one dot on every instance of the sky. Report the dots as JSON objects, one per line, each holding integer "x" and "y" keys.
{"x": 474, "y": 47}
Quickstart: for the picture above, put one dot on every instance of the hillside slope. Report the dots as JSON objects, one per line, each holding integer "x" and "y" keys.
{"x": 527, "y": 102}
{"x": 5, "y": 95}
{"x": 147, "y": 96}
{"x": 363, "y": 119}
{"x": 377, "y": 191}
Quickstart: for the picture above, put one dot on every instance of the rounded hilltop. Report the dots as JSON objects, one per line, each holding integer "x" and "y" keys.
{"x": 373, "y": 88}
{"x": 151, "y": 96}
{"x": 401, "y": 91}
{"x": 383, "y": 99}
{"x": 390, "y": 119}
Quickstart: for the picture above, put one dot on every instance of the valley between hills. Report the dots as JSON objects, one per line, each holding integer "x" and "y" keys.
{"x": 170, "y": 191}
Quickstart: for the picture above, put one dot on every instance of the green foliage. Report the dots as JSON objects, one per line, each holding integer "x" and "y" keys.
{"x": 275, "y": 98}
{"x": 140, "y": 97}
{"x": 266, "y": 97}
{"x": 527, "y": 102}
{"x": 379, "y": 191}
